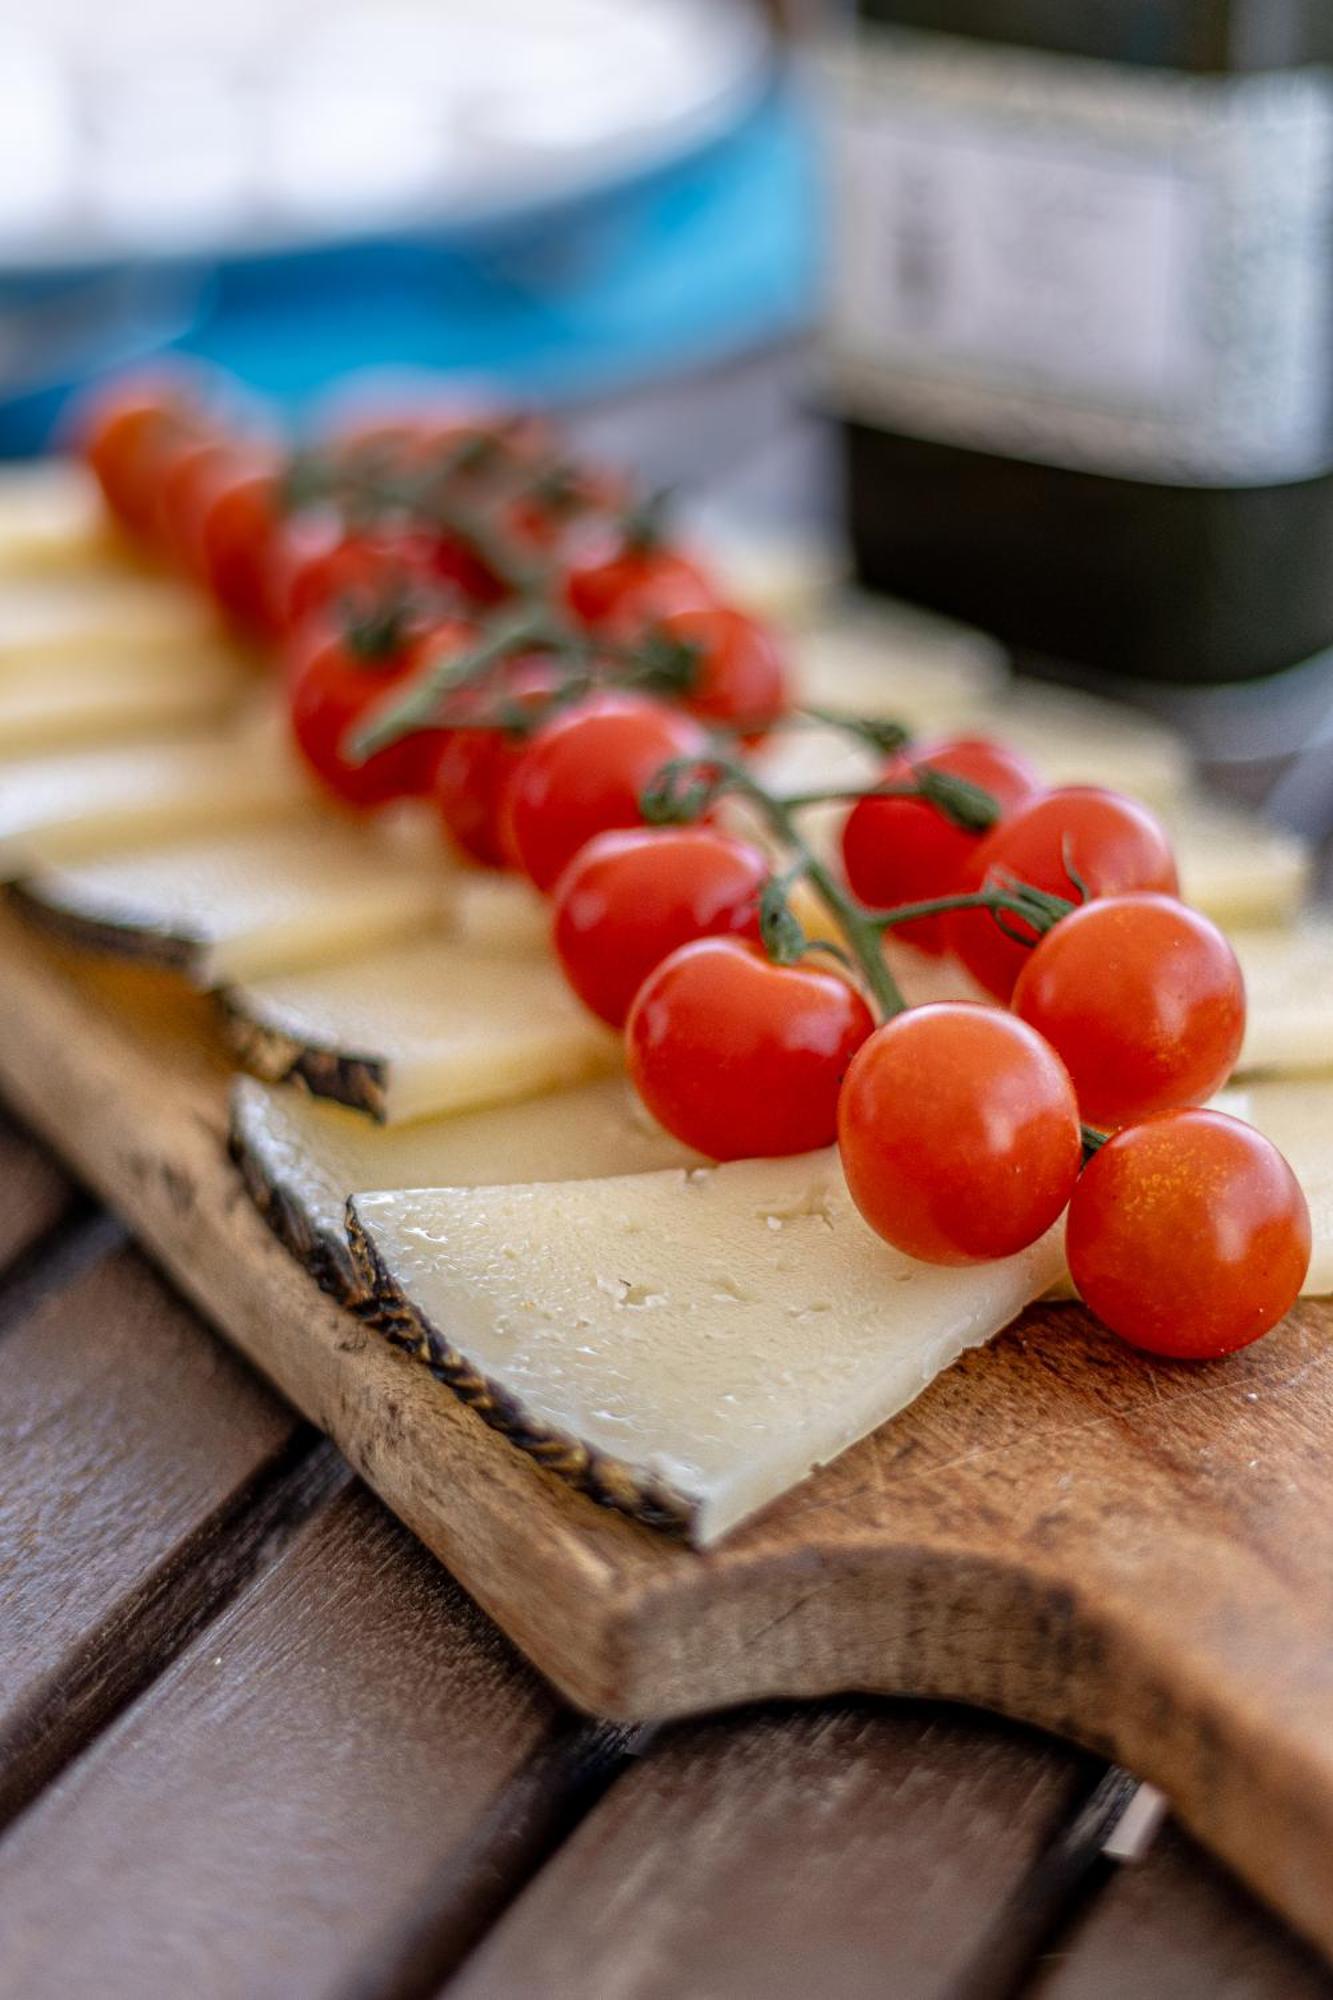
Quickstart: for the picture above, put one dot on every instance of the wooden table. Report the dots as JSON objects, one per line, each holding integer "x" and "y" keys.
{"x": 256, "y": 1742}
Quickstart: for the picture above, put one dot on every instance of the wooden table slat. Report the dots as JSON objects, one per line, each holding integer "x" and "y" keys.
{"x": 278, "y": 1800}
{"x": 854, "y": 1849}
{"x": 1176, "y": 1926}
{"x": 132, "y": 1442}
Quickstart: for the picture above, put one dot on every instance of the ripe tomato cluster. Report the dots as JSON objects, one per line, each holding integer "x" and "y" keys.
{"x": 465, "y": 613}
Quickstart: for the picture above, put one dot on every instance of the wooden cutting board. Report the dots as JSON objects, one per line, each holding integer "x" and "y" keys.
{"x": 1137, "y": 1556}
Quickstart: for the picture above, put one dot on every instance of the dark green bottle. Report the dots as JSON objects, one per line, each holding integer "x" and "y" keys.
{"x": 1082, "y": 332}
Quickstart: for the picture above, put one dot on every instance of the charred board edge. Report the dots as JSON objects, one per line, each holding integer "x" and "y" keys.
{"x": 343, "y": 1076}
{"x": 126, "y": 937}
{"x": 607, "y": 1480}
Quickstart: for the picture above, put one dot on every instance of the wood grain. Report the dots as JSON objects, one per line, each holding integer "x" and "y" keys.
{"x": 788, "y": 1854}
{"x": 139, "y": 1457}
{"x": 283, "y": 1792}
{"x": 1136, "y": 1556}
{"x": 1174, "y": 1926}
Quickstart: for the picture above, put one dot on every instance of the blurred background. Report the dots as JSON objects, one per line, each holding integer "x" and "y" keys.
{"x": 1027, "y": 305}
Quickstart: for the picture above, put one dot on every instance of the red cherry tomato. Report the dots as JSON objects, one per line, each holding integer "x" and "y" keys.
{"x": 741, "y": 1058}
{"x": 475, "y": 765}
{"x": 1189, "y": 1235}
{"x": 959, "y": 1133}
{"x": 619, "y": 589}
{"x": 1111, "y": 844}
{"x": 629, "y": 899}
{"x": 1142, "y": 999}
{"x": 240, "y": 523}
{"x": 317, "y": 566}
{"x": 187, "y": 474}
{"x": 907, "y": 851}
{"x": 585, "y": 772}
{"x": 739, "y": 675}
{"x": 124, "y": 430}
{"x": 330, "y": 689}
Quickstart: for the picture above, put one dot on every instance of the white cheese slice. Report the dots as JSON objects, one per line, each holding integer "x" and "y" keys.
{"x": 881, "y": 658}
{"x": 302, "y": 1158}
{"x": 706, "y": 1337}
{"x": 1236, "y": 866}
{"x": 44, "y": 707}
{"x": 98, "y": 615}
{"x": 427, "y": 1028}
{"x": 51, "y": 515}
{"x": 493, "y": 912}
{"x": 1075, "y": 738}
{"x": 241, "y": 904}
{"x": 76, "y": 803}
{"x": 1298, "y": 1118}
{"x": 1289, "y": 998}
{"x": 782, "y": 574}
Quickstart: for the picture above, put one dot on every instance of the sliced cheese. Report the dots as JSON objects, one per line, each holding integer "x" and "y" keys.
{"x": 1289, "y": 997}
{"x": 785, "y": 575}
{"x": 494, "y": 912}
{"x": 703, "y": 1338}
{"x": 99, "y": 615}
{"x": 302, "y": 1158}
{"x": 1236, "y": 866}
{"x": 880, "y": 658}
{"x": 1298, "y": 1118}
{"x": 1075, "y": 738}
{"x": 76, "y": 803}
{"x": 51, "y": 516}
{"x": 241, "y": 904}
{"x": 428, "y": 1028}
{"x": 47, "y": 708}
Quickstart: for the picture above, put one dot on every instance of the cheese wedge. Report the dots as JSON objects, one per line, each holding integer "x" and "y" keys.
{"x": 881, "y": 658}
{"x": 51, "y": 516}
{"x": 76, "y": 803}
{"x": 242, "y": 904}
{"x": 1236, "y": 866}
{"x": 428, "y": 1028}
{"x": 301, "y": 1159}
{"x": 48, "y": 708}
{"x": 1075, "y": 738}
{"x": 1298, "y": 1118}
{"x": 1289, "y": 998}
{"x": 494, "y": 912}
{"x": 697, "y": 1342}
{"x": 785, "y": 575}
{"x": 99, "y": 615}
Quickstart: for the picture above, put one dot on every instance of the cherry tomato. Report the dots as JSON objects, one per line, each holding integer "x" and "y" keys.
{"x": 585, "y": 772}
{"x": 959, "y": 1133}
{"x": 1142, "y": 999}
{"x": 618, "y": 588}
{"x": 1111, "y": 844}
{"x": 907, "y": 851}
{"x": 741, "y": 1058}
{"x": 739, "y": 677}
{"x": 629, "y": 899}
{"x": 330, "y": 689}
{"x": 475, "y": 765}
{"x": 187, "y": 473}
{"x": 553, "y": 504}
{"x": 318, "y": 566}
{"x": 239, "y": 526}
{"x": 1189, "y": 1235}
{"x": 125, "y": 428}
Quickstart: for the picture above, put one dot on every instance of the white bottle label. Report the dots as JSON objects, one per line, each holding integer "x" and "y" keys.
{"x": 1124, "y": 271}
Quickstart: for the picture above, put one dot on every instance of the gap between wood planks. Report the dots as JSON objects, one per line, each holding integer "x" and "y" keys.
{"x": 145, "y": 1631}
